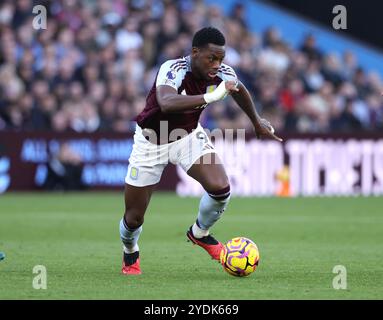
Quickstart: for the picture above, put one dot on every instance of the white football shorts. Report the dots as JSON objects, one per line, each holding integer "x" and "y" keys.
{"x": 148, "y": 160}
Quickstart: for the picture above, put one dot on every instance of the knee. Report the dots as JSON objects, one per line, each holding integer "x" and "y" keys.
{"x": 220, "y": 190}
{"x": 133, "y": 218}
{"x": 217, "y": 184}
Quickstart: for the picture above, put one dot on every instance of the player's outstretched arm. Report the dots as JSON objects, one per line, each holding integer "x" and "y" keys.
{"x": 262, "y": 127}
{"x": 170, "y": 101}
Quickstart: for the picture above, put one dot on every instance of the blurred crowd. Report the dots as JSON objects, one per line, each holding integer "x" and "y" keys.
{"x": 92, "y": 66}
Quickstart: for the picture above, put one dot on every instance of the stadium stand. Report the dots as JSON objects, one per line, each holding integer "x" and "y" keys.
{"x": 91, "y": 68}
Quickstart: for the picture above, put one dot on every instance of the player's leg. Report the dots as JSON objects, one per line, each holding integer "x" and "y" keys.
{"x": 146, "y": 164}
{"x": 210, "y": 173}
{"x": 136, "y": 201}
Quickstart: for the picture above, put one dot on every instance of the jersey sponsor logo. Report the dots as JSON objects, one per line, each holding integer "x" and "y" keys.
{"x": 171, "y": 75}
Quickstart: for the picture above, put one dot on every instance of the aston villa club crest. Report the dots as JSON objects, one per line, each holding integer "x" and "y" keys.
{"x": 134, "y": 173}
{"x": 210, "y": 88}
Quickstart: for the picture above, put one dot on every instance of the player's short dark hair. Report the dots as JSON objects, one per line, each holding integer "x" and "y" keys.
{"x": 208, "y": 35}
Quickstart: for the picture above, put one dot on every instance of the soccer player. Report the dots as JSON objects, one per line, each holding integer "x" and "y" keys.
{"x": 168, "y": 130}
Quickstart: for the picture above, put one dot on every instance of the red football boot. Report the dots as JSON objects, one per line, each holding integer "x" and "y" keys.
{"x": 209, "y": 243}
{"x": 131, "y": 263}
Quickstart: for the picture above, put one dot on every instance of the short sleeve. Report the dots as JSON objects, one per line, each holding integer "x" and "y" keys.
{"x": 227, "y": 73}
{"x": 171, "y": 73}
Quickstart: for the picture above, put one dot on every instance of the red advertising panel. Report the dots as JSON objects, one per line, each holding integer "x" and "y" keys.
{"x": 300, "y": 166}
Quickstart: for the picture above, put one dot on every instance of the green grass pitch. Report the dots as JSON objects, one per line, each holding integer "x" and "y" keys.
{"x": 75, "y": 236}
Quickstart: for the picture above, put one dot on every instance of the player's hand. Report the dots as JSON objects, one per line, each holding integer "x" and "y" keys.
{"x": 220, "y": 93}
{"x": 266, "y": 130}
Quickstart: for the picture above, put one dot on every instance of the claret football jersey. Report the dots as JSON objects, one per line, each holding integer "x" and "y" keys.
{"x": 177, "y": 74}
